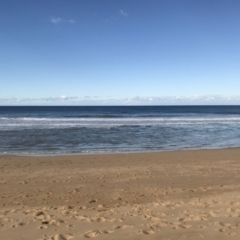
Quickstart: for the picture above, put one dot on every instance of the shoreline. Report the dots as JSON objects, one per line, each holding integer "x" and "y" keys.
{"x": 186, "y": 194}
{"x": 117, "y": 153}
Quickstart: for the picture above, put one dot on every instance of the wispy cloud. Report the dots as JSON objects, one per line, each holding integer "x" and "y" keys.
{"x": 183, "y": 100}
{"x": 57, "y": 20}
{"x": 98, "y": 100}
{"x": 124, "y": 14}
{"x": 64, "y": 97}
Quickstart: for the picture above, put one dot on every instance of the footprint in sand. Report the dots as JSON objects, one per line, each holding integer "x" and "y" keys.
{"x": 59, "y": 237}
{"x": 234, "y": 212}
{"x": 146, "y": 231}
{"x": 191, "y": 218}
{"x": 159, "y": 225}
{"x": 222, "y": 227}
{"x": 123, "y": 227}
{"x": 107, "y": 231}
{"x": 62, "y": 237}
{"x": 92, "y": 234}
{"x": 232, "y": 234}
{"x": 95, "y": 233}
{"x": 199, "y": 235}
{"x": 178, "y": 225}
{"x": 213, "y": 214}
{"x": 47, "y": 219}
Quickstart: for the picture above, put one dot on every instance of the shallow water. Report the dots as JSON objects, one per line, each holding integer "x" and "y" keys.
{"x": 70, "y": 130}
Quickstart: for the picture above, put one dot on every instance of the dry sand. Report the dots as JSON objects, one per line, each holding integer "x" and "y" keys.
{"x": 168, "y": 195}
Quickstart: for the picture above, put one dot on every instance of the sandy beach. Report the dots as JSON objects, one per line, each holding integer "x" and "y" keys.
{"x": 166, "y": 195}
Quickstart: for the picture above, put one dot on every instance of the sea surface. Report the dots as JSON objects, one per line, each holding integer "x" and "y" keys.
{"x": 82, "y": 130}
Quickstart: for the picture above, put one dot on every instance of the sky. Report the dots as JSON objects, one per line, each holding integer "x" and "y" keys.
{"x": 119, "y": 52}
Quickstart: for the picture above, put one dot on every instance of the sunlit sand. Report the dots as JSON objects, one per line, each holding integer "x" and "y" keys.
{"x": 168, "y": 195}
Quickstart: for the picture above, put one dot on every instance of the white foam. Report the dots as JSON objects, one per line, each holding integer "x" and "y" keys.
{"x": 36, "y": 123}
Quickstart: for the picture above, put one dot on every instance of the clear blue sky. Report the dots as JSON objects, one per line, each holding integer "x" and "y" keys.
{"x": 119, "y": 52}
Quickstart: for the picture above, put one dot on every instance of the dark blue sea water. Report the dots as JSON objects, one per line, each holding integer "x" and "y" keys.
{"x": 73, "y": 130}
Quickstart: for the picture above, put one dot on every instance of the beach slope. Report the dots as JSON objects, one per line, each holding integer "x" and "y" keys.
{"x": 168, "y": 195}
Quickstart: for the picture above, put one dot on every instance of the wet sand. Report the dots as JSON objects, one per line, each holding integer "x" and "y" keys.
{"x": 167, "y": 195}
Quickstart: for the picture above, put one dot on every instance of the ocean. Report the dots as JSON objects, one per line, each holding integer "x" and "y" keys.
{"x": 49, "y": 130}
